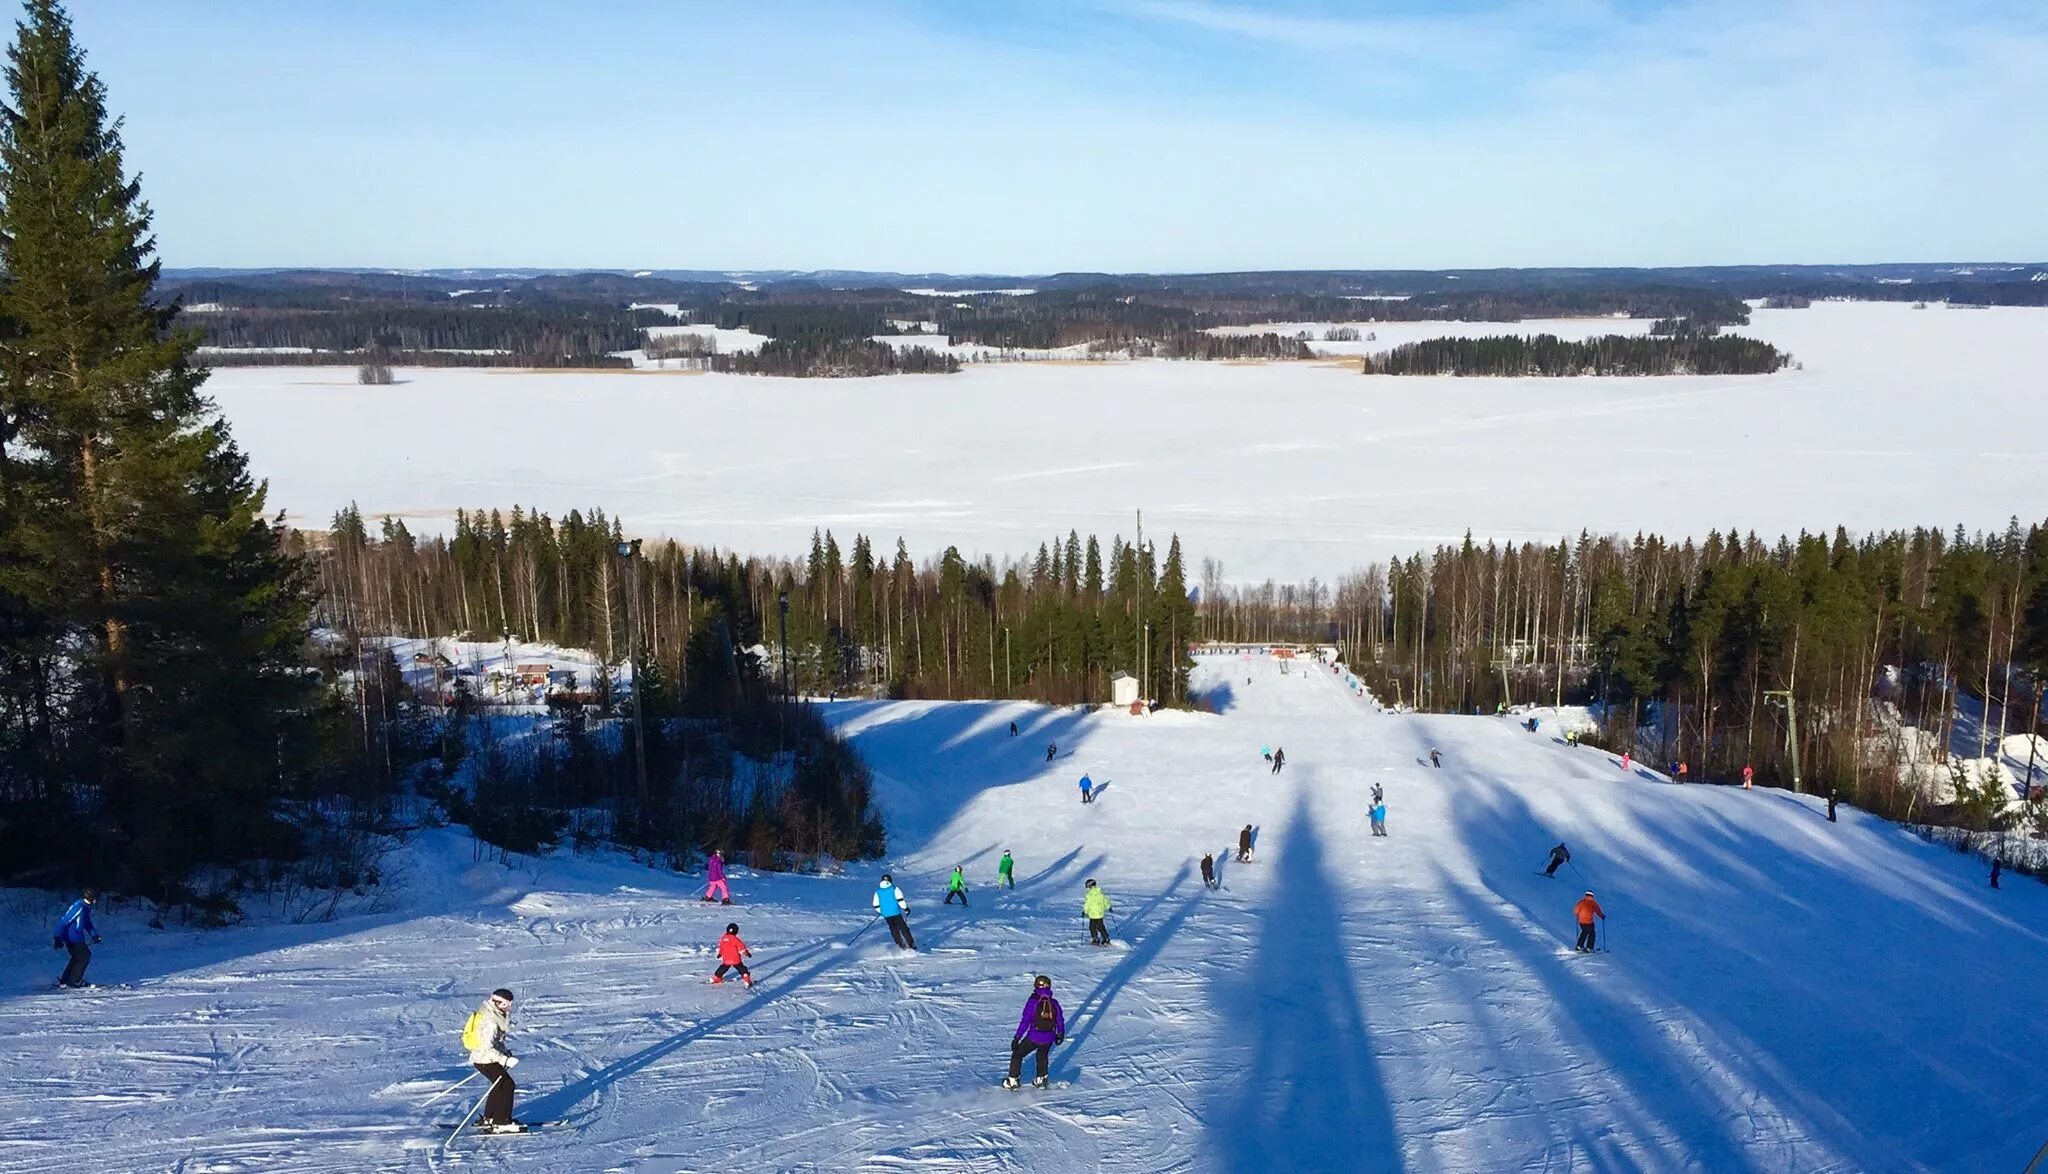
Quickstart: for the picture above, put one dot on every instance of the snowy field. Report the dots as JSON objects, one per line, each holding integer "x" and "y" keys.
{"x": 1780, "y": 993}
{"x": 1899, "y": 417}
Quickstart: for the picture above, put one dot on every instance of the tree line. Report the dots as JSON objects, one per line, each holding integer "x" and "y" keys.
{"x": 1683, "y": 353}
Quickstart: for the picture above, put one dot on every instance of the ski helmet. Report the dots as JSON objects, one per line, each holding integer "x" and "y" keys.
{"x": 1042, "y": 982}
{"x": 1090, "y": 884}
{"x": 887, "y": 879}
{"x": 732, "y": 927}
{"x": 90, "y": 895}
{"x": 1589, "y": 892}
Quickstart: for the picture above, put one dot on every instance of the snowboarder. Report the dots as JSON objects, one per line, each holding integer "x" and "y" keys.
{"x": 1004, "y": 868}
{"x": 484, "y": 1035}
{"x": 1042, "y": 1026}
{"x": 1095, "y": 904}
{"x": 1379, "y": 819}
{"x": 1997, "y": 866}
{"x": 1051, "y": 749}
{"x": 1586, "y": 910}
{"x": 1087, "y": 789}
{"x": 1279, "y": 759}
{"x": 1013, "y": 729}
{"x": 956, "y": 885}
{"x": 1244, "y": 845}
{"x": 1558, "y": 855}
{"x": 890, "y": 903}
{"x": 1831, "y": 805}
{"x": 74, "y": 929}
{"x": 715, "y": 868}
{"x": 730, "y": 950}
{"x": 1208, "y": 871}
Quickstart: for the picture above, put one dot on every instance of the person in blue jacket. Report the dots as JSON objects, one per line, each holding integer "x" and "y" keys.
{"x": 74, "y": 929}
{"x": 1087, "y": 789}
{"x": 891, "y": 904}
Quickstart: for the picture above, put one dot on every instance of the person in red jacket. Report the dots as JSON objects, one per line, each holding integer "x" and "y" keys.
{"x": 730, "y": 950}
{"x": 1586, "y": 910}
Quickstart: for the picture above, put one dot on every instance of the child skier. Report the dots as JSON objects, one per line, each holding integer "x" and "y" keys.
{"x": 74, "y": 929}
{"x": 1208, "y": 871}
{"x": 1244, "y": 845}
{"x": 1087, "y": 789}
{"x": 891, "y": 904}
{"x": 1266, "y": 752}
{"x": 1004, "y": 868}
{"x": 484, "y": 1035}
{"x": 1095, "y": 905}
{"x": 1558, "y": 855}
{"x": 1377, "y": 793}
{"x": 715, "y": 868}
{"x": 956, "y": 885}
{"x": 1013, "y": 729}
{"x": 1042, "y": 1026}
{"x": 1748, "y": 777}
{"x": 1435, "y": 759}
{"x": 1585, "y": 911}
{"x": 1051, "y": 748}
{"x": 730, "y": 950}
{"x": 1379, "y": 819}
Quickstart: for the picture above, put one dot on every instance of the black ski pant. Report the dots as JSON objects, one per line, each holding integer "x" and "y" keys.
{"x": 1008, "y": 881}
{"x": 1552, "y": 870}
{"x": 498, "y": 1101}
{"x": 952, "y": 893}
{"x": 1208, "y": 878}
{"x": 1587, "y": 936}
{"x": 74, "y": 970}
{"x": 1098, "y": 933}
{"x": 899, "y": 929}
{"x": 1277, "y": 764}
{"x": 1024, "y": 1047}
{"x": 739, "y": 967}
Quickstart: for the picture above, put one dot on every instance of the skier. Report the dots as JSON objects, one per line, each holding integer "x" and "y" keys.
{"x": 74, "y": 929}
{"x": 484, "y": 1035}
{"x": 1051, "y": 749}
{"x": 1377, "y": 794}
{"x": 1208, "y": 871}
{"x": 1683, "y": 770}
{"x": 1244, "y": 845}
{"x": 1531, "y": 725}
{"x": 1571, "y": 739}
{"x": 1004, "y": 868}
{"x": 730, "y": 950}
{"x": 1265, "y": 752}
{"x": 1748, "y": 777}
{"x": 1095, "y": 904}
{"x": 715, "y": 867}
{"x": 1013, "y": 729}
{"x": 1997, "y": 866}
{"x": 890, "y": 903}
{"x": 1379, "y": 819}
{"x": 1586, "y": 910}
{"x": 1279, "y": 759}
{"x": 1831, "y": 804}
{"x": 1626, "y": 758}
{"x": 1558, "y": 855}
{"x": 1087, "y": 789}
{"x": 1042, "y": 1026}
{"x": 956, "y": 885}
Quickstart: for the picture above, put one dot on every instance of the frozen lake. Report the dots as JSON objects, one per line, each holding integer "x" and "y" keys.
{"x": 1899, "y": 417}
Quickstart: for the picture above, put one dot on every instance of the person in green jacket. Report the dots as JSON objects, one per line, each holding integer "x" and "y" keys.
{"x": 1004, "y": 868}
{"x": 1095, "y": 903}
{"x": 957, "y": 886}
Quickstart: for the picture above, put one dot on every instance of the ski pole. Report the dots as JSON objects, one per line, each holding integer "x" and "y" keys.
{"x": 472, "y": 1115}
{"x": 451, "y": 1088}
{"x": 863, "y": 929}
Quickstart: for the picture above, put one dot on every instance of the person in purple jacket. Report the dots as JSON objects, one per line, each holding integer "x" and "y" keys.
{"x": 716, "y": 868}
{"x": 1042, "y": 1025}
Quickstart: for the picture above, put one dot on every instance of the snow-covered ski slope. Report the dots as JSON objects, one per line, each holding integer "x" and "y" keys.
{"x": 1781, "y": 993}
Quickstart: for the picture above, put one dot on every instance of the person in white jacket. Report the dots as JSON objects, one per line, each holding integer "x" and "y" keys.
{"x": 485, "y": 1035}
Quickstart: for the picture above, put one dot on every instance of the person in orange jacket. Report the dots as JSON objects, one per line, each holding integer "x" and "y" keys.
{"x": 730, "y": 950}
{"x": 1586, "y": 910}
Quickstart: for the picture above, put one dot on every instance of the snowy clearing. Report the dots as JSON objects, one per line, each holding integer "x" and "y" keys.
{"x": 1899, "y": 417}
{"x": 1780, "y": 994}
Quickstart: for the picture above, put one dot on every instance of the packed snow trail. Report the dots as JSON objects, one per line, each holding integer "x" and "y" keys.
{"x": 1781, "y": 993}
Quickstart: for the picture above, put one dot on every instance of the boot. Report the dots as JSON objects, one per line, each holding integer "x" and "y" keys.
{"x": 1038, "y": 1082}
{"x": 1009, "y": 1082}
{"x": 716, "y": 979}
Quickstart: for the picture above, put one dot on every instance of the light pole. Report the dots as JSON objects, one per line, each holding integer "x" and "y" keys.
{"x": 782, "y": 604}
{"x": 1009, "y": 690}
{"x": 630, "y": 553}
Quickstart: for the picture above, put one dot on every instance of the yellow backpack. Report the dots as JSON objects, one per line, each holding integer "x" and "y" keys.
{"x": 473, "y": 1031}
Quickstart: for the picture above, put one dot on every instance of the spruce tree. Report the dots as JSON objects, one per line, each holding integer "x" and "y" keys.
{"x": 142, "y": 543}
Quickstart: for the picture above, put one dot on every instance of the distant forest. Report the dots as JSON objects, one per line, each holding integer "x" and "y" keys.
{"x": 826, "y": 328}
{"x": 1549, "y": 355}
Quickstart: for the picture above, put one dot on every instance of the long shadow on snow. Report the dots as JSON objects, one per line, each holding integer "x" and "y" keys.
{"x": 1310, "y": 1095}
{"x": 1721, "y": 913}
{"x": 1142, "y": 951}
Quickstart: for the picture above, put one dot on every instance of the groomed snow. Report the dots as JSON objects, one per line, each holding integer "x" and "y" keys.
{"x": 1780, "y": 993}
{"x": 1899, "y": 417}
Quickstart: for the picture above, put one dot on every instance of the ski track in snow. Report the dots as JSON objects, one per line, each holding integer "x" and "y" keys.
{"x": 1781, "y": 994}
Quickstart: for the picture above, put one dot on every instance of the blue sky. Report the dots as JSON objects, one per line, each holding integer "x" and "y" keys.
{"x": 1161, "y": 135}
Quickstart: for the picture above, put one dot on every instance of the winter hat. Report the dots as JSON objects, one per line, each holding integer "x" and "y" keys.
{"x": 1042, "y": 982}
{"x": 91, "y": 895}
{"x": 732, "y": 927}
{"x": 1090, "y": 884}
{"x": 502, "y": 993}
{"x": 887, "y": 879}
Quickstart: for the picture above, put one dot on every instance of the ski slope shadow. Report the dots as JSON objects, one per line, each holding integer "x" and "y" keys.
{"x": 1143, "y": 950}
{"x": 1298, "y": 1087}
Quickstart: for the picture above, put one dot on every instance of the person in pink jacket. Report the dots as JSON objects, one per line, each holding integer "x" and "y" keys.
{"x": 716, "y": 868}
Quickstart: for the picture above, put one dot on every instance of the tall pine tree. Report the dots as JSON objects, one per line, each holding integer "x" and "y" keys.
{"x": 137, "y": 541}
